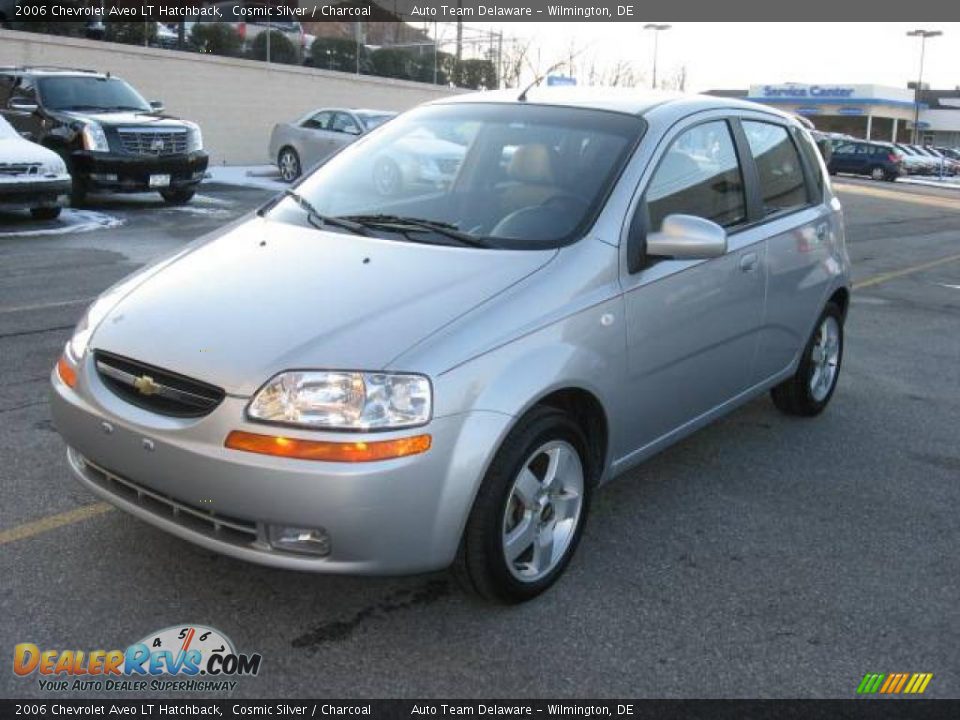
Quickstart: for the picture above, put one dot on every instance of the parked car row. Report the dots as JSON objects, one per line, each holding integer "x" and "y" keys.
{"x": 888, "y": 161}
{"x": 103, "y": 134}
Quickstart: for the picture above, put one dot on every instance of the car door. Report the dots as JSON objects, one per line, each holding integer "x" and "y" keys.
{"x": 800, "y": 229}
{"x": 315, "y": 138}
{"x": 692, "y": 326}
{"x": 844, "y": 157}
{"x": 346, "y": 129}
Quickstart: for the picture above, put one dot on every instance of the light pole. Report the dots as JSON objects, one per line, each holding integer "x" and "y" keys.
{"x": 656, "y": 27}
{"x": 923, "y": 35}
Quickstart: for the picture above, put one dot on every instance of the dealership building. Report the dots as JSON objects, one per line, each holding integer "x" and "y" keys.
{"x": 875, "y": 112}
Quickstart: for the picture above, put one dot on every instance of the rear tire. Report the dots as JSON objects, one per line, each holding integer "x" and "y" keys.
{"x": 45, "y": 213}
{"x": 288, "y": 162}
{"x": 529, "y": 513}
{"x": 78, "y": 192}
{"x": 178, "y": 197}
{"x": 808, "y": 392}
{"x": 878, "y": 173}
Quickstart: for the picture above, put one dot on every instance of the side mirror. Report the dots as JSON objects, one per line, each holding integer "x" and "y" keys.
{"x": 352, "y": 130}
{"x": 156, "y": 105}
{"x": 27, "y": 135}
{"x": 686, "y": 237}
{"x": 24, "y": 106}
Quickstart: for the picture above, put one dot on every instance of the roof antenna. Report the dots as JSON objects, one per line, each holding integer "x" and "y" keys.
{"x": 522, "y": 97}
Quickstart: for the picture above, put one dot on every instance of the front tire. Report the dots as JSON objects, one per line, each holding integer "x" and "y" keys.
{"x": 178, "y": 196}
{"x": 808, "y": 392}
{"x": 288, "y": 162}
{"x": 530, "y": 511}
{"x": 45, "y": 213}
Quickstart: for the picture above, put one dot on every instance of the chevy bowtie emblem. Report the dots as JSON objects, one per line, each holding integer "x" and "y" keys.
{"x": 156, "y": 145}
{"x": 146, "y": 385}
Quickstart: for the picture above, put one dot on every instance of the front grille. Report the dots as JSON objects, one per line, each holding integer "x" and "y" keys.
{"x": 156, "y": 389}
{"x": 10, "y": 169}
{"x": 153, "y": 142}
{"x": 225, "y": 528}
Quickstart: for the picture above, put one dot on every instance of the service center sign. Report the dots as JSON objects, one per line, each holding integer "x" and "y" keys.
{"x": 800, "y": 92}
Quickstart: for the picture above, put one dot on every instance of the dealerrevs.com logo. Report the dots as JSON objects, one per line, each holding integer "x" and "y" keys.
{"x": 178, "y": 658}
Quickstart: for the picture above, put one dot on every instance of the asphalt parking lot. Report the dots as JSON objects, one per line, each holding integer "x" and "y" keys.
{"x": 765, "y": 556}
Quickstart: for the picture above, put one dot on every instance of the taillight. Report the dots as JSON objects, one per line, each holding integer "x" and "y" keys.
{"x": 894, "y": 158}
{"x": 242, "y": 30}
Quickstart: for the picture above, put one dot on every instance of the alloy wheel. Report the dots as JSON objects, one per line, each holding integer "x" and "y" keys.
{"x": 825, "y": 358}
{"x": 542, "y": 511}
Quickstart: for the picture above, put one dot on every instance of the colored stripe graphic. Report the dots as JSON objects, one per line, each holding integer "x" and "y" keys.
{"x": 894, "y": 683}
{"x": 870, "y": 683}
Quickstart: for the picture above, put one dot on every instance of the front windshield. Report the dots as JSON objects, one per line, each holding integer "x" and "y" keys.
{"x": 90, "y": 93}
{"x": 511, "y": 175}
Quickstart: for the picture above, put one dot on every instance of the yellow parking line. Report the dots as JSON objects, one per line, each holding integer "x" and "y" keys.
{"x": 884, "y": 277}
{"x": 52, "y": 522}
{"x": 907, "y": 197}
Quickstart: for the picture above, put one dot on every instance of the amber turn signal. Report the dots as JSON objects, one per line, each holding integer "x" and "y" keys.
{"x": 66, "y": 372}
{"x": 327, "y": 451}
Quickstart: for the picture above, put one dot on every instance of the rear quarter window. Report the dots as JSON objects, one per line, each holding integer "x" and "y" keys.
{"x": 782, "y": 183}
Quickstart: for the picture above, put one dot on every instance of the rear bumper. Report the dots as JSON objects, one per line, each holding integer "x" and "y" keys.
{"x": 392, "y": 517}
{"x": 33, "y": 193}
{"x": 131, "y": 173}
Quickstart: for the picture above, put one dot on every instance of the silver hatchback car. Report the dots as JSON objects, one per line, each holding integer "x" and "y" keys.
{"x": 345, "y": 383}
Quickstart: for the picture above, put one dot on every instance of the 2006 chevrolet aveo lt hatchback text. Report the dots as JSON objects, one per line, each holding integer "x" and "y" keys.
{"x": 359, "y": 383}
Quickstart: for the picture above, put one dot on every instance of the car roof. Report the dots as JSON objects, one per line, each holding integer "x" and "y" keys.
{"x": 624, "y": 100}
{"x": 52, "y": 71}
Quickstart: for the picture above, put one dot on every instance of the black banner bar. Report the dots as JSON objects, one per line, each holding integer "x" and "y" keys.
{"x": 858, "y": 709}
{"x": 485, "y": 10}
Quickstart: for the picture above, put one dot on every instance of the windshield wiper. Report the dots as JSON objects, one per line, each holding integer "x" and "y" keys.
{"x": 413, "y": 224}
{"x": 319, "y": 221}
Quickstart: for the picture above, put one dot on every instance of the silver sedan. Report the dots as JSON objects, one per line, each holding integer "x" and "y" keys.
{"x": 308, "y": 141}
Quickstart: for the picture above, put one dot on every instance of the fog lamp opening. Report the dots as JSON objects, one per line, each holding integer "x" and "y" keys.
{"x": 310, "y": 541}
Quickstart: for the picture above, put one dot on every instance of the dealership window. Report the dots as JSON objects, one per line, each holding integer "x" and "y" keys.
{"x": 778, "y": 165}
{"x": 699, "y": 175}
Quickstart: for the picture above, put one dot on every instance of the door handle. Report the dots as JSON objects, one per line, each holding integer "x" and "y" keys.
{"x": 822, "y": 231}
{"x": 749, "y": 262}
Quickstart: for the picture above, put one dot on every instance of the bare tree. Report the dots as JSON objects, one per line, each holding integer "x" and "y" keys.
{"x": 514, "y": 61}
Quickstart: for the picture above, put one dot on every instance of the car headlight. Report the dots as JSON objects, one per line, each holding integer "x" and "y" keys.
{"x": 194, "y": 138}
{"x": 344, "y": 400}
{"x": 94, "y": 138}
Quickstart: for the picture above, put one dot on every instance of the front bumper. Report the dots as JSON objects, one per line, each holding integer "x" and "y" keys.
{"x": 116, "y": 172}
{"x": 33, "y": 193}
{"x": 398, "y": 516}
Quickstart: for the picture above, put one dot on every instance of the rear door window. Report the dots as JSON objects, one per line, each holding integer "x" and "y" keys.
{"x": 782, "y": 183}
{"x": 699, "y": 175}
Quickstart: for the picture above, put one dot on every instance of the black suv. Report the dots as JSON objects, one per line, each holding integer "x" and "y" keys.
{"x": 881, "y": 161}
{"x": 109, "y": 136}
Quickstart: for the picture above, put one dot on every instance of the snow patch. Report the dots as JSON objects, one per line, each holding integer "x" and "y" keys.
{"x": 70, "y": 221}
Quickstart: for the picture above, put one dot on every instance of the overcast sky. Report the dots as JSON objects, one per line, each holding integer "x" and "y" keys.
{"x": 735, "y": 55}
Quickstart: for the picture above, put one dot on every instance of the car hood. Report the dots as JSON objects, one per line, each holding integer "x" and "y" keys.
{"x": 267, "y": 296}
{"x": 16, "y": 150}
{"x": 122, "y": 118}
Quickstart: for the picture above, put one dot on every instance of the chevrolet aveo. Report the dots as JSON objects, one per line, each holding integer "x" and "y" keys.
{"x": 348, "y": 383}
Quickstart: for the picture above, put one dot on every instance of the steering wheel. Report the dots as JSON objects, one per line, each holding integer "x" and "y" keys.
{"x": 564, "y": 199}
